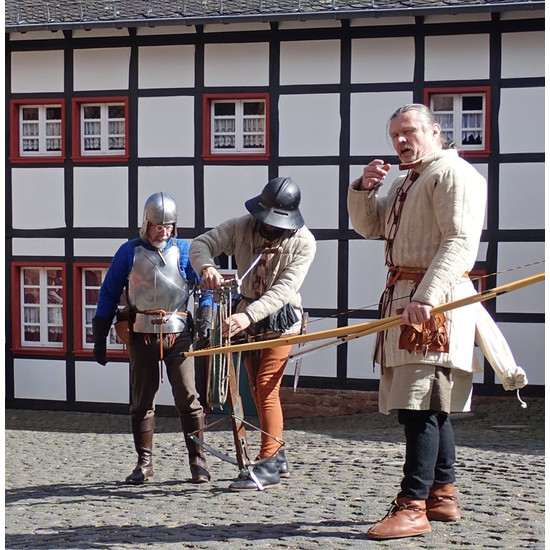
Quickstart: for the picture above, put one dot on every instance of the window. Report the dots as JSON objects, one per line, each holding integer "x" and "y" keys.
{"x": 39, "y": 310}
{"x": 236, "y": 126}
{"x": 101, "y": 129}
{"x": 37, "y": 129}
{"x": 88, "y": 281}
{"x": 463, "y": 117}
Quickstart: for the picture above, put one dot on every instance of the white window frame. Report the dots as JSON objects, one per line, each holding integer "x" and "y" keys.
{"x": 104, "y": 136}
{"x": 43, "y": 127}
{"x": 455, "y": 128}
{"x": 89, "y": 309}
{"x": 48, "y": 310}
{"x": 238, "y": 132}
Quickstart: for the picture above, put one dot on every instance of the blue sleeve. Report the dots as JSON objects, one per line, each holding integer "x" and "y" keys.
{"x": 189, "y": 273}
{"x": 115, "y": 280}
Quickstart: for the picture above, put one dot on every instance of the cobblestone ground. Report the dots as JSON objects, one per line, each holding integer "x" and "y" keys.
{"x": 63, "y": 489}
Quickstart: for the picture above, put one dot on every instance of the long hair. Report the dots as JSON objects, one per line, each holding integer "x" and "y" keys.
{"x": 427, "y": 117}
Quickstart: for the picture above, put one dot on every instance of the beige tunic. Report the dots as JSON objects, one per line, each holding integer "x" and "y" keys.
{"x": 286, "y": 270}
{"x": 439, "y": 232}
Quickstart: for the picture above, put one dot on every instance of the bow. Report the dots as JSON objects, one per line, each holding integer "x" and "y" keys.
{"x": 369, "y": 327}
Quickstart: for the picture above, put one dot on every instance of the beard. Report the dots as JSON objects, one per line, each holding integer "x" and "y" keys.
{"x": 159, "y": 242}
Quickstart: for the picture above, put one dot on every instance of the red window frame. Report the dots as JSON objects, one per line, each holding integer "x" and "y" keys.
{"x": 15, "y": 152}
{"x": 17, "y": 344}
{"x": 428, "y": 92}
{"x": 79, "y": 348}
{"x": 77, "y": 128}
{"x": 207, "y": 125}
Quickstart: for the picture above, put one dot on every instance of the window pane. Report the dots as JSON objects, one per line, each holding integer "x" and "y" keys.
{"x": 471, "y": 138}
{"x": 221, "y": 109}
{"x": 445, "y": 121}
{"x": 254, "y": 108}
{"x": 93, "y": 277}
{"x": 30, "y": 113}
{"x": 92, "y": 128}
{"x": 32, "y": 334}
{"x": 31, "y": 276}
{"x": 253, "y": 124}
{"x": 31, "y": 145}
{"x": 31, "y": 129}
{"x": 31, "y": 296}
{"x": 31, "y": 315}
{"x": 92, "y": 144}
{"x": 116, "y": 111}
{"x": 224, "y": 125}
{"x": 224, "y": 142}
{"x": 116, "y": 144}
{"x": 53, "y": 144}
{"x": 472, "y": 103}
{"x": 53, "y": 113}
{"x": 91, "y": 112}
{"x": 442, "y": 103}
{"x": 55, "y": 334}
{"x": 116, "y": 128}
{"x": 91, "y": 296}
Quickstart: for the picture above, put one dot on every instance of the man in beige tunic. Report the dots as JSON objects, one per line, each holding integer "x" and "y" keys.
{"x": 431, "y": 220}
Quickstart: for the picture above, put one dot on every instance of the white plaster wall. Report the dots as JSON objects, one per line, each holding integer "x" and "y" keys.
{"x": 382, "y": 59}
{"x": 37, "y": 71}
{"x": 166, "y": 29}
{"x": 527, "y": 342}
{"x": 226, "y": 188}
{"x": 39, "y": 379}
{"x": 319, "y": 188}
{"x": 309, "y": 125}
{"x": 320, "y": 285}
{"x": 521, "y": 197}
{"x": 457, "y": 57}
{"x": 318, "y": 363}
{"x": 236, "y": 27}
{"x": 99, "y": 32}
{"x": 369, "y": 117}
{"x": 98, "y": 384}
{"x": 166, "y": 66}
{"x": 309, "y": 24}
{"x": 521, "y": 120}
{"x": 101, "y": 196}
{"x": 236, "y": 64}
{"x": 166, "y": 126}
{"x": 38, "y": 247}
{"x": 37, "y": 35}
{"x": 32, "y": 190}
{"x": 101, "y": 69}
{"x": 380, "y": 21}
{"x": 360, "y": 357}
{"x": 367, "y": 274}
{"x": 310, "y": 62}
{"x": 516, "y": 254}
{"x": 177, "y": 181}
{"x": 452, "y": 18}
{"x": 97, "y": 247}
{"x": 523, "y": 54}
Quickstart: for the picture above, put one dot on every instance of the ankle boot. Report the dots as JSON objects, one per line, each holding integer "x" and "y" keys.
{"x": 441, "y": 504}
{"x": 267, "y": 473}
{"x": 406, "y": 518}
{"x": 197, "y": 460}
{"x": 143, "y": 441}
{"x": 282, "y": 464}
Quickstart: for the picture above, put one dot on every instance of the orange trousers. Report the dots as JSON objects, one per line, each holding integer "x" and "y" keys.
{"x": 265, "y": 385}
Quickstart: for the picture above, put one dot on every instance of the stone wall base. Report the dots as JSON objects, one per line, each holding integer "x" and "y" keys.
{"x": 309, "y": 402}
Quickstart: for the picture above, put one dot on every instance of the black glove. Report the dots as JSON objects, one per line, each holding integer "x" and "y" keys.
{"x": 203, "y": 328}
{"x": 100, "y": 331}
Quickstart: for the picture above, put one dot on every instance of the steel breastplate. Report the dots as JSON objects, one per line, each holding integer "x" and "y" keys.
{"x": 156, "y": 283}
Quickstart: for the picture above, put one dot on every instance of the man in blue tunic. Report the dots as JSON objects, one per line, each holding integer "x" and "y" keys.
{"x": 157, "y": 275}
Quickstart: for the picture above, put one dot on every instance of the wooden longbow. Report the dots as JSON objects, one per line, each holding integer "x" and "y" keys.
{"x": 369, "y": 327}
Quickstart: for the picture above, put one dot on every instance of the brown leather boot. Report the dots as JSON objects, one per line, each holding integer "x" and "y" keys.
{"x": 406, "y": 518}
{"x": 441, "y": 504}
{"x": 197, "y": 460}
{"x": 143, "y": 441}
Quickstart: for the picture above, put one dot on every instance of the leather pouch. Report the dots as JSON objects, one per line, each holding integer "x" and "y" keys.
{"x": 429, "y": 336}
{"x": 122, "y": 325}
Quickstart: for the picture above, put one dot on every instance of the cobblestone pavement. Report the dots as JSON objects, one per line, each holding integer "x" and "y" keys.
{"x": 63, "y": 489}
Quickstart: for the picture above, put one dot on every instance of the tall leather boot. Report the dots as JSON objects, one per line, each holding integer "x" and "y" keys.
{"x": 143, "y": 431}
{"x": 406, "y": 518}
{"x": 197, "y": 460}
{"x": 441, "y": 504}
